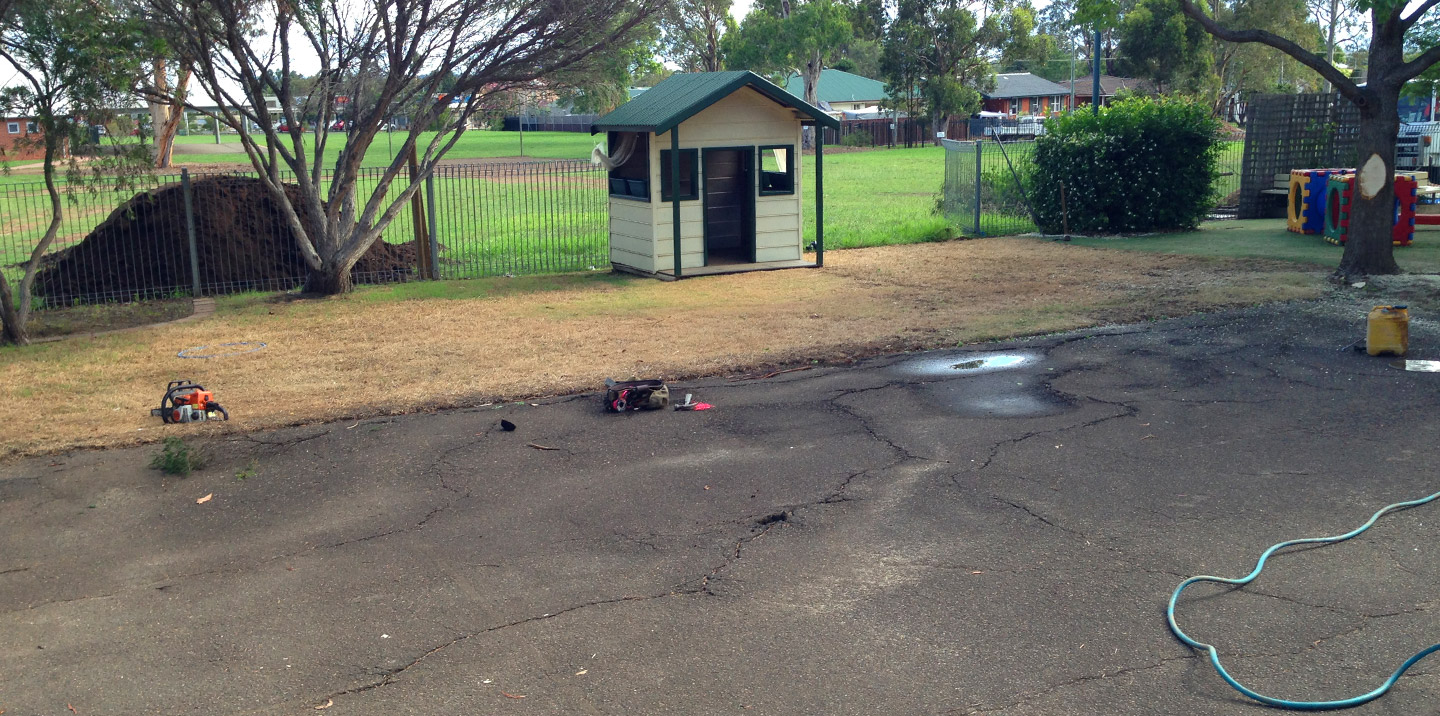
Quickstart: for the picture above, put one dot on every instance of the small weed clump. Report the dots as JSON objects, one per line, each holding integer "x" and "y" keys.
{"x": 177, "y": 458}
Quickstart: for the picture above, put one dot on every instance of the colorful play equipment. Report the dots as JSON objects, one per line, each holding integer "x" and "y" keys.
{"x": 1339, "y": 197}
{"x": 1305, "y": 213}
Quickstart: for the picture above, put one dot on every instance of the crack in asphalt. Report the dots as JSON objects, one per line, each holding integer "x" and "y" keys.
{"x": 1026, "y": 698}
{"x": 389, "y": 676}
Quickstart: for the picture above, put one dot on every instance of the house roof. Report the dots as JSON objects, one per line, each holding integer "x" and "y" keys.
{"x": 839, "y": 86}
{"x": 1023, "y": 84}
{"x": 1109, "y": 85}
{"x": 684, "y": 95}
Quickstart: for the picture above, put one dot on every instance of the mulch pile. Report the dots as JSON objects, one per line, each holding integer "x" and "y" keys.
{"x": 242, "y": 241}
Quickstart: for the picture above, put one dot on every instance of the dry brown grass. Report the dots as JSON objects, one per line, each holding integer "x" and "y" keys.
{"x": 363, "y": 355}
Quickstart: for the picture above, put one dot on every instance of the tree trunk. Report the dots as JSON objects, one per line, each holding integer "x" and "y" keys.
{"x": 13, "y": 329}
{"x": 165, "y": 132}
{"x": 938, "y": 124}
{"x": 811, "y": 74}
{"x": 1369, "y": 250}
{"x": 326, "y": 281}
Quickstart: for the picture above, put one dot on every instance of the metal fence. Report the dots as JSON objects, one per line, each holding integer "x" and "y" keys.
{"x": 983, "y": 192}
{"x": 180, "y": 235}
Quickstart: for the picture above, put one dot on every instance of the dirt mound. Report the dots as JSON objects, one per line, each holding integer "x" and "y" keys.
{"x": 242, "y": 242}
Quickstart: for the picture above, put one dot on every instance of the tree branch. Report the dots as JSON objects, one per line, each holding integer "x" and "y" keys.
{"x": 1407, "y": 22}
{"x": 1343, "y": 84}
{"x": 1413, "y": 68}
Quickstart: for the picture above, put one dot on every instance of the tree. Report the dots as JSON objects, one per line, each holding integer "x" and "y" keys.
{"x": 1159, "y": 43}
{"x": 440, "y": 59}
{"x": 692, "y": 29}
{"x": 72, "y": 58}
{"x": 167, "y": 111}
{"x": 939, "y": 55}
{"x": 1396, "y": 26}
{"x": 605, "y": 83}
{"x": 1342, "y": 24}
{"x": 785, "y": 37}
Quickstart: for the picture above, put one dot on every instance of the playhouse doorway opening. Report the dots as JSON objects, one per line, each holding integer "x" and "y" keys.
{"x": 729, "y": 205}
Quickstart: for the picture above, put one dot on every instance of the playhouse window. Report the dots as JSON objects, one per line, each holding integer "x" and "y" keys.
{"x": 688, "y": 181}
{"x": 631, "y": 178}
{"x": 777, "y": 170}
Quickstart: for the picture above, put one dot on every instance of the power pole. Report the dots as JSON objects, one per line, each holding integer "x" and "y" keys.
{"x": 1095, "y": 86}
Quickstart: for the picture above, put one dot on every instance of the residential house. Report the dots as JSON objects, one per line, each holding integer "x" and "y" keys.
{"x": 21, "y": 140}
{"x": 840, "y": 91}
{"x": 1110, "y": 85}
{"x": 1022, "y": 93}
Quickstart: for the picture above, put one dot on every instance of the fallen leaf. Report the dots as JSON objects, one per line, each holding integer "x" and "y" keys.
{"x": 328, "y": 703}
{"x": 707, "y": 487}
{"x": 977, "y": 572}
{"x": 582, "y": 672}
{"x": 72, "y": 708}
{"x": 204, "y": 499}
{"x": 513, "y": 696}
{"x": 352, "y": 427}
{"x": 538, "y": 446}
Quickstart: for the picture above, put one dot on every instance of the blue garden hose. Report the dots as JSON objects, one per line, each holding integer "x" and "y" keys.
{"x": 1283, "y": 703}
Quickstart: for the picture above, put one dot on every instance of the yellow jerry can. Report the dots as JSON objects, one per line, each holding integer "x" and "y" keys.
{"x": 1388, "y": 330}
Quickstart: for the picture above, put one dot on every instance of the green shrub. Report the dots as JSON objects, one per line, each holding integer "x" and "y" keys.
{"x": 177, "y": 458}
{"x": 857, "y": 139}
{"x": 1141, "y": 164}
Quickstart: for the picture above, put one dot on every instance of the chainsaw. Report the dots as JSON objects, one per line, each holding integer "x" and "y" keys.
{"x": 187, "y": 402}
{"x": 621, "y": 396}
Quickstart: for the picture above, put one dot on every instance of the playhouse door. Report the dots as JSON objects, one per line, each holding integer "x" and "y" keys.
{"x": 729, "y": 203}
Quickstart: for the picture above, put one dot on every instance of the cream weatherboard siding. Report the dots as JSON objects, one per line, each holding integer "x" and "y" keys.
{"x": 744, "y": 119}
{"x": 632, "y": 233}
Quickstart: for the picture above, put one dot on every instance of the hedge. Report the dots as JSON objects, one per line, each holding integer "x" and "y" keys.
{"x": 1141, "y": 164}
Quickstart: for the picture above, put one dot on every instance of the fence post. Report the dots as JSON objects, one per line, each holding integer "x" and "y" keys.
{"x": 417, "y": 217}
{"x": 979, "y": 147}
{"x": 434, "y": 242}
{"x": 190, "y": 233}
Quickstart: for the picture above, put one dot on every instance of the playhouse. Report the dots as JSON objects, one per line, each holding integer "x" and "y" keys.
{"x": 710, "y": 162}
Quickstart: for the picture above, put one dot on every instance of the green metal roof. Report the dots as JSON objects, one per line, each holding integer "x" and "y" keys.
{"x": 684, "y": 95}
{"x": 840, "y": 86}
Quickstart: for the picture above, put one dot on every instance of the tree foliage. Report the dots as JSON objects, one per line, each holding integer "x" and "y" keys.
{"x": 939, "y": 57}
{"x": 780, "y": 38}
{"x": 692, "y": 31}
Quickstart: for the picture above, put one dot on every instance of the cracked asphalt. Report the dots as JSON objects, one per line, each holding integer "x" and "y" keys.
{"x": 895, "y": 536}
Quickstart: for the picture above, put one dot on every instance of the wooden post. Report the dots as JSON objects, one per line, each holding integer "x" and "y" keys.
{"x": 675, "y": 193}
{"x": 417, "y": 213}
{"x": 819, "y": 196}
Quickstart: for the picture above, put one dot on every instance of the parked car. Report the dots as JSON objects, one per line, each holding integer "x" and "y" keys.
{"x": 339, "y": 126}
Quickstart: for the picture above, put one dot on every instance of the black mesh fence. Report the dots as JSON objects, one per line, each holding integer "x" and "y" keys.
{"x": 176, "y": 235}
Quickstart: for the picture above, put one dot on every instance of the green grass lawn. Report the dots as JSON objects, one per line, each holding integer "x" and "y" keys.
{"x": 878, "y": 197}
{"x": 1268, "y": 239}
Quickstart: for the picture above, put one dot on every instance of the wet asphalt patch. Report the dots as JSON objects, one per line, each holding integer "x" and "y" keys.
{"x": 986, "y": 385}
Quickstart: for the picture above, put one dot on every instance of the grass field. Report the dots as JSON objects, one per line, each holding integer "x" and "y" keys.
{"x": 1268, "y": 239}
{"x": 384, "y": 350}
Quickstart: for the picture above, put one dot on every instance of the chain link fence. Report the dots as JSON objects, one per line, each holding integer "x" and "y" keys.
{"x": 176, "y": 234}
{"x": 983, "y": 192}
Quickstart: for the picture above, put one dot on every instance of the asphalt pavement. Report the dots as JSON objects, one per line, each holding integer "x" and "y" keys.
{"x": 992, "y": 529}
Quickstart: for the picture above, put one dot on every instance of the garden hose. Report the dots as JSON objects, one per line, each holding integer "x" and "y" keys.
{"x": 1284, "y": 703}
